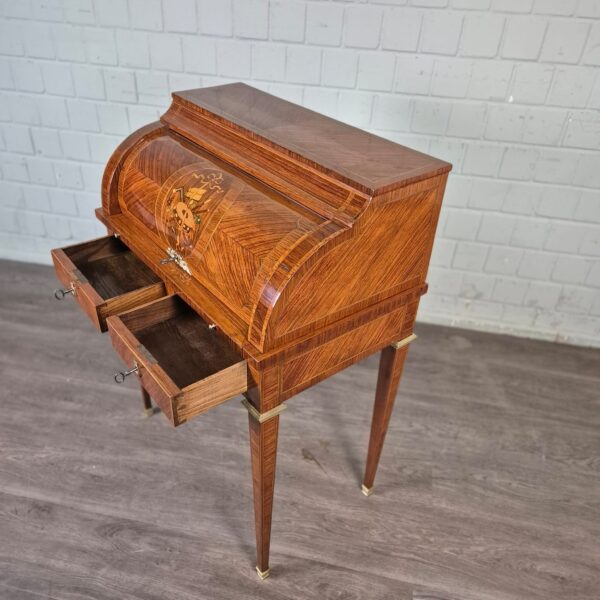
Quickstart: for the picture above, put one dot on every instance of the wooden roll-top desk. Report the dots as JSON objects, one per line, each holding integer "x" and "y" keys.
{"x": 256, "y": 248}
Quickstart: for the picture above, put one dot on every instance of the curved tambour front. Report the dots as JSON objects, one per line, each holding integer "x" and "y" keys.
{"x": 234, "y": 234}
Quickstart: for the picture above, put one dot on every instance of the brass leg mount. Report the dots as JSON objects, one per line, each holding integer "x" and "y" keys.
{"x": 263, "y": 574}
{"x": 262, "y": 417}
{"x": 407, "y": 340}
{"x": 365, "y": 490}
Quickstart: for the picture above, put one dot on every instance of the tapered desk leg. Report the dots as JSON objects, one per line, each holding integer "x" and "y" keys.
{"x": 263, "y": 447}
{"x": 264, "y": 406}
{"x": 391, "y": 364}
{"x": 148, "y": 410}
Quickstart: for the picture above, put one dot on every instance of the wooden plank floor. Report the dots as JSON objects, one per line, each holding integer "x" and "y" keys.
{"x": 489, "y": 486}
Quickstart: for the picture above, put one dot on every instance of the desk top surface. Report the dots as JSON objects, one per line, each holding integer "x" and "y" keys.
{"x": 351, "y": 155}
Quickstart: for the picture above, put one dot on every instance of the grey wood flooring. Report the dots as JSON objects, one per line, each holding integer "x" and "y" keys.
{"x": 488, "y": 488}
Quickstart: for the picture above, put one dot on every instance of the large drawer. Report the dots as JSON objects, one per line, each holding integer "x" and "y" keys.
{"x": 105, "y": 278}
{"x": 184, "y": 363}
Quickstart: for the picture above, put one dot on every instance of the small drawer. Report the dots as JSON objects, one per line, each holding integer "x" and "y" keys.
{"x": 105, "y": 278}
{"x": 184, "y": 364}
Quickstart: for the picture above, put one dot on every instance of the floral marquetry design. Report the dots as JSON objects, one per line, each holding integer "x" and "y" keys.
{"x": 183, "y": 203}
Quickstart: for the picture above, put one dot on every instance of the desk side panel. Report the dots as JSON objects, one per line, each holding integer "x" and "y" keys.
{"x": 387, "y": 255}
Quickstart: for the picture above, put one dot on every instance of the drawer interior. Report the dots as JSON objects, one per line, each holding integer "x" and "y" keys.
{"x": 180, "y": 341}
{"x": 110, "y": 267}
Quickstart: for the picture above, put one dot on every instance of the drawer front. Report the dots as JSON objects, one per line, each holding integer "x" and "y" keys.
{"x": 153, "y": 378}
{"x": 71, "y": 278}
{"x": 215, "y": 373}
{"x": 116, "y": 273}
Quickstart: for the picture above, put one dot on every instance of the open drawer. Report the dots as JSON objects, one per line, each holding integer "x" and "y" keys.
{"x": 105, "y": 278}
{"x": 183, "y": 363}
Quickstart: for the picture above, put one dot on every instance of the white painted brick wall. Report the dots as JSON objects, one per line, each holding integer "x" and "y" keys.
{"x": 507, "y": 90}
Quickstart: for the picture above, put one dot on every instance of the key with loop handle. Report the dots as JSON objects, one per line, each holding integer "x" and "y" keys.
{"x": 121, "y": 375}
{"x": 60, "y": 294}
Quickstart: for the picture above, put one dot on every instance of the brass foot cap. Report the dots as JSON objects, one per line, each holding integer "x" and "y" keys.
{"x": 148, "y": 412}
{"x": 365, "y": 490}
{"x": 263, "y": 574}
